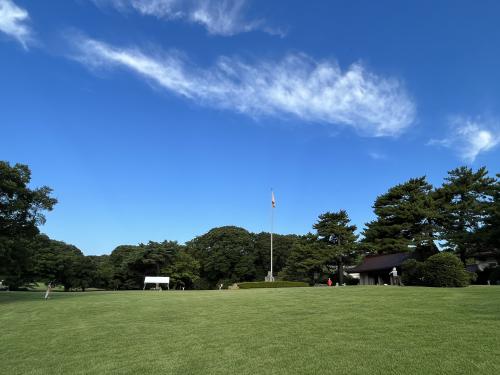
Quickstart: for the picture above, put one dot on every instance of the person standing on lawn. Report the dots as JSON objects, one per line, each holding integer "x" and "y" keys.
{"x": 49, "y": 289}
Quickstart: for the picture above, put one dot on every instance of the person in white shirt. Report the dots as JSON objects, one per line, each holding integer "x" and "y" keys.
{"x": 49, "y": 289}
{"x": 394, "y": 276}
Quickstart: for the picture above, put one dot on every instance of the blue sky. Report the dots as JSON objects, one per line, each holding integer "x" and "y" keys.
{"x": 160, "y": 119}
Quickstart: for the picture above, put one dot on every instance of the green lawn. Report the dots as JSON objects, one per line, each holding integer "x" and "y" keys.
{"x": 351, "y": 330}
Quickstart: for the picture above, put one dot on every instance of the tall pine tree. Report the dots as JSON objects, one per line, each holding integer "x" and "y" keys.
{"x": 490, "y": 233}
{"x": 406, "y": 220}
{"x": 338, "y": 236}
{"x": 465, "y": 201}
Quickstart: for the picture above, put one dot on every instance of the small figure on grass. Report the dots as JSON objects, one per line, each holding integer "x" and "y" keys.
{"x": 49, "y": 289}
{"x": 329, "y": 282}
{"x": 394, "y": 276}
{"x": 220, "y": 286}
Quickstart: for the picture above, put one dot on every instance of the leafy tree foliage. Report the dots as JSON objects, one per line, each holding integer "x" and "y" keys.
{"x": 21, "y": 211}
{"x": 488, "y": 236}
{"x": 439, "y": 270}
{"x": 103, "y": 271}
{"x": 184, "y": 271}
{"x": 444, "y": 270}
{"x": 466, "y": 201}
{"x": 338, "y": 237}
{"x": 282, "y": 246}
{"x": 60, "y": 263}
{"x": 226, "y": 254}
{"x": 412, "y": 272}
{"x": 132, "y": 263}
{"x": 306, "y": 261}
{"x": 406, "y": 220}
{"x": 464, "y": 213}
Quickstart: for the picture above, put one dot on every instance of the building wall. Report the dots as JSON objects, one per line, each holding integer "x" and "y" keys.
{"x": 380, "y": 277}
{"x": 366, "y": 279}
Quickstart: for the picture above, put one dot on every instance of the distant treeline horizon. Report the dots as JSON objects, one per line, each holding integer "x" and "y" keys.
{"x": 462, "y": 215}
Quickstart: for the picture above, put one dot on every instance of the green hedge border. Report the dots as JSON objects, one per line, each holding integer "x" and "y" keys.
{"x": 275, "y": 284}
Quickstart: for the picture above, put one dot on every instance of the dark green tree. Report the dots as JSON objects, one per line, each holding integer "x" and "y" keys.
{"x": 306, "y": 261}
{"x": 444, "y": 270}
{"x": 104, "y": 271}
{"x": 61, "y": 263}
{"x": 466, "y": 202}
{"x": 85, "y": 273}
{"x": 488, "y": 236}
{"x": 338, "y": 236}
{"x": 184, "y": 271}
{"x": 122, "y": 259}
{"x": 226, "y": 254}
{"x": 282, "y": 246}
{"x": 406, "y": 220}
{"x": 21, "y": 212}
{"x": 132, "y": 263}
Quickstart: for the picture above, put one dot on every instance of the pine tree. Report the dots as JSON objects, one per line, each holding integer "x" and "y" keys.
{"x": 334, "y": 231}
{"x": 490, "y": 233}
{"x": 406, "y": 220}
{"x": 306, "y": 260}
{"x": 465, "y": 202}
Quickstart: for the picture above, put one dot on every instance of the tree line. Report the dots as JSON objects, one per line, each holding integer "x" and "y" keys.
{"x": 460, "y": 217}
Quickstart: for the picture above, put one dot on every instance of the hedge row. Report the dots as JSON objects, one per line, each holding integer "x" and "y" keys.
{"x": 440, "y": 270}
{"x": 275, "y": 284}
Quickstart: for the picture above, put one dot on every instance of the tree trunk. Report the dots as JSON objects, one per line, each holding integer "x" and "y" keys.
{"x": 463, "y": 256}
{"x": 341, "y": 271}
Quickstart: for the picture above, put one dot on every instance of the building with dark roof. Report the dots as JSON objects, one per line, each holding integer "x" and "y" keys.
{"x": 375, "y": 269}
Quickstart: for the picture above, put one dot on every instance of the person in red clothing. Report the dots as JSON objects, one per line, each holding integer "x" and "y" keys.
{"x": 329, "y": 282}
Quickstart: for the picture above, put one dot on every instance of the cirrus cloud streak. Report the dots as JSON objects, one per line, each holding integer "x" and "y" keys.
{"x": 296, "y": 86}
{"x": 219, "y": 17}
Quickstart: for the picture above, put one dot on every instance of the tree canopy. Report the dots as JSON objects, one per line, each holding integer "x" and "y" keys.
{"x": 466, "y": 204}
{"x": 338, "y": 236}
{"x": 406, "y": 219}
{"x": 21, "y": 212}
{"x": 462, "y": 216}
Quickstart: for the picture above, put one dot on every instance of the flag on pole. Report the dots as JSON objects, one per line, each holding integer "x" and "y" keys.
{"x": 273, "y": 201}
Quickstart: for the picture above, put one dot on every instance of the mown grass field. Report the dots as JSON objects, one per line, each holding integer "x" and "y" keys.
{"x": 351, "y": 330}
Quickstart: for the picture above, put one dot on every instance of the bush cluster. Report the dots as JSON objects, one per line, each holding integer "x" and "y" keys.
{"x": 440, "y": 270}
{"x": 275, "y": 284}
{"x": 412, "y": 272}
{"x": 494, "y": 277}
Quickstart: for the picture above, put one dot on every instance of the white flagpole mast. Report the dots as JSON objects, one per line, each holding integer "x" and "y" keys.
{"x": 272, "y": 228}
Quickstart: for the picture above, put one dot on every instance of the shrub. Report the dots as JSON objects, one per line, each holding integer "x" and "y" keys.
{"x": 494, "y": 277}
{"x": 445, "y": 270}
{"x": 349, "y": 280}
{"x": 275, "y": 284}
{"x": 412, "y": 272}
{"x": 201, "y": 284}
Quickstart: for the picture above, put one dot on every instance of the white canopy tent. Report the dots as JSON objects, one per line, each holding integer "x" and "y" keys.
{"x": 157, "y": 280}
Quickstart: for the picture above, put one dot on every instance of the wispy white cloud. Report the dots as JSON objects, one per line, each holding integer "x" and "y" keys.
{"x": 13, "y": 22}
{"x": 219, "y": 17}
{"x": 469, "y": 137}
{"x": 377, "y": 155}
{"x": 296, "y": 87}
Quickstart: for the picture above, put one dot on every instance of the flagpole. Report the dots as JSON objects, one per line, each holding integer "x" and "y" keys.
{"x": 272, "y": 229}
